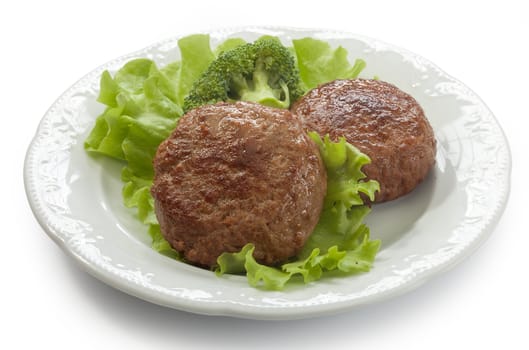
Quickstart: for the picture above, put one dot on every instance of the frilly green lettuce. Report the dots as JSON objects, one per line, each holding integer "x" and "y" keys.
{"x": 141, "y": 98}
{"x": 319, "y": 63}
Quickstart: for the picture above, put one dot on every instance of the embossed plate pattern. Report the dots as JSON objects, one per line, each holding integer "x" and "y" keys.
{"x": 77, "y": 198}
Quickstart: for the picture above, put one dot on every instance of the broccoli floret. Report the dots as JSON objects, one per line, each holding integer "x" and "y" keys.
{"x": 264, "y": 71}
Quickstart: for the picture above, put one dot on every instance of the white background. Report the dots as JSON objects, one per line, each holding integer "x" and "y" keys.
{"x": 48, "y": 302}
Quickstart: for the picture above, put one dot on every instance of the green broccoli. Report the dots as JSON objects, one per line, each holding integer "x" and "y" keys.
{"x": 264, "y": 71}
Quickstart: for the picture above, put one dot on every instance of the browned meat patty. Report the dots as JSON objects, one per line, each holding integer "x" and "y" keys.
{"x": 382, "y": 121}
{"x": 232, "y": 174}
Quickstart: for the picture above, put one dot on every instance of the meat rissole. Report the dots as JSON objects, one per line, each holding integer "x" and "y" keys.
{"x": 231, "y": 174}
{"x": 382, "y": 121}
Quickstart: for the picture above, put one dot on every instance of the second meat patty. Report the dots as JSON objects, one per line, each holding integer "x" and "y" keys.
{"x": 382, "y": 121}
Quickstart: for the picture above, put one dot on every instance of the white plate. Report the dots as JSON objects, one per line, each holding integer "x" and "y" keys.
{"x": 77, "y": 198}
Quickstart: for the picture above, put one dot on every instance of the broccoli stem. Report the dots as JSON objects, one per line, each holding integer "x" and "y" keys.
{"x": 259, "y": 89}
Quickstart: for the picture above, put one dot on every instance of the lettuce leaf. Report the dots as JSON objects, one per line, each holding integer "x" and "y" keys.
{"x": 141, "y": 95}
{"x": 196, "y": 57}
{"x": 138, "y": 90}
{"x": 318, "y": 63}
{"x": 229, "y": 44}
{"x": 339, "y": 242}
